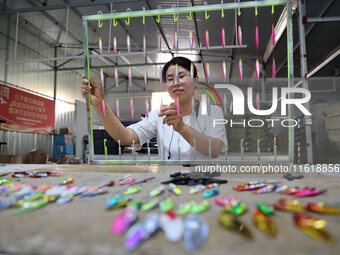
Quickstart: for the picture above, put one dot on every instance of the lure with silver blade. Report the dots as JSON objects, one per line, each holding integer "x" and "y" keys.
{"x": 264, "y": 223}
{"x": 100, "y": 44}
{"x": 196, "y": 231}
{"x": 116, "y": 77}
{"x": 239, "y": 35}
{"x": 146, "y": 105}
{"x": 257, "y": 69}
{"x": 240, "y": 68}
{"x": 224, "y": 71}
{"x": 130, "y": 77}
{"x": 128, "y": 43}
{"x": 207, "y": 39}
{"x": 115, "y": 46}
{"x": 124, "y": 220}
{"x": 191, "y": 40}
{"x": 117, "y": 108}
{"x": 223, "y": 38}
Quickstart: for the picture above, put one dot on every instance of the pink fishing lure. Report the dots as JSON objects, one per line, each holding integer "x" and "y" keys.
{"x": 100, "y": 44}
{"x": 146, "y": 107}
{"x": 123, "y": 220}
{"x": 274, "y": 69}
{"x": 273, "y": 35}
{"x": 145, "y": 77}
{"x": 130, "y": 77}
{"x": 257, "y": 36}
{"x": 224, "y": 71}
{"x": 116, "y": 77}
{"x": 257, "y": 68}
{"x": 207, "y": 71}
{"x": 239, "y": 35}
{"x": 115, "y": 46}
{"x": 191, "y": 40}
{"x": 175, "y": 41}
{"x": 132, "y": 111}
{"x": 117, "y": 108}
{"x": 101, "y": 77}
{"x": 177, "y": 106}
{"x": 223, "y": 38}
{"x": 240, "y": 68}
{"x": 128, "y": 43}
{"x": 207, "y": 39}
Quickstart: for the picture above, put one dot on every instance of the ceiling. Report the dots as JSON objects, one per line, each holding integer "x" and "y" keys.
{"x": 322, "y": 39}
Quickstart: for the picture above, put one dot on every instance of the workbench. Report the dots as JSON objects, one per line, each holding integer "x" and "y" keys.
{"x": 84, "y": 225}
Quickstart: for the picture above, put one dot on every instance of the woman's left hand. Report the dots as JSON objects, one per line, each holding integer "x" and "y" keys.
{"x": 171, "y": 118}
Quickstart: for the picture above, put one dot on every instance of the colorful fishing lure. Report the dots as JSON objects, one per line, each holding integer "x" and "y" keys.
{"x": 115, "y": 46}
{"x": 145, "y": 77}
{"x": 133, "y": 190}
{"x": 257, "y": 37}
{"x": 191, "y": 40}
{"x": 313, "y": 227}
{"x": 257, "y": 100}
{"x": 288, "y": 205}
{"x": 240, "y": 69}
{"x": 177, "y": 106}
{"x": 176, "y": 74}
{"x": 117, "y": 108}
{"x": 210, "y": 193}
{"x": 320, "y": 207}
{"x": 266, "y": 209}
{"x": 67, "y": 181}
{"x": 100, "y": 44}
{"x": 233, "y": 201}
{"x": 274, "y": 69}
{"x": 211, "y": 185}
{"x": 31, "y": 206}
{"x": 116, "y": 202}
{"x": 101, "y": 76}
{"x": 196, "y": 189}
{"x": 192, "y": 71}
{"x": 196, "y": 231}
{"x": 172, "y": 225}
{"x": 231, "y": 222}
{"x": 246, "y": 186}
{"x": 173, "y": 188}
{"x": 185, "y": 208}
{"x": 128, "y": 44}
{"x": 221, "y": 202}
{"x": 223, "y": 38}
{"x": 199, "y": 208}
{"x": 126, "y": 180}
{"x": 207, "y": 39}
{"x": 124, "y": 220}
{"x": 273, "y": 35}
{"x": 224, "y": 71}
{"x": 116, "y": 77}
{"x": 207, "y": 72}
{"x": 132, "y": 111}
{"x": 264, "y": 223}
{"x": 146, "y": 105}
{"x": 176, "y": 41}
{"x": 130, "y": 77}
{"x": 135, "y": 203}
{"x": 166, "y": 205}
{"x": 236, "y": 210}
{"x": 308, "y": 192}
{"x": 144, "y": 44}
{"x": 257, "y": 69}
{"x": 150, "y": 205}
{"x": 239, "y": 35}
{"x": 157, "y": 191}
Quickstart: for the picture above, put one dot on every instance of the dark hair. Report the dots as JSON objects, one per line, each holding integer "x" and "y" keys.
{"x": 181, "y": 61}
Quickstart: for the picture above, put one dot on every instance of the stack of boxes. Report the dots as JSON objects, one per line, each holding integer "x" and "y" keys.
{"x": 63, "y": 144}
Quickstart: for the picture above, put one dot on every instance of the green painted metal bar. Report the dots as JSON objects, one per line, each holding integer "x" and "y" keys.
{"x": 177, "y": 10}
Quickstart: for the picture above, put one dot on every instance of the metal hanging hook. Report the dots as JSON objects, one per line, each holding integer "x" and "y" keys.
{"x": 114, "y": 23}
{"x": 143, "y": 16}
{"x": 159, "y": 16}
{"x": 222, "y": 11}
{"x": 100, "y": 24}
{"x": 206, "y": 12}
{"x": 175, "y": 15}
{"x": 128, "y": 21}
{"x": 189, "y": 17}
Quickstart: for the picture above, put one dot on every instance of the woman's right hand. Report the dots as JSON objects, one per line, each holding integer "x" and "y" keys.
{"x": 97, "y": 94}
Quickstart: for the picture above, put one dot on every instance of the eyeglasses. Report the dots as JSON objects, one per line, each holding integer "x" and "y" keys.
{"x": 182, "y": 78}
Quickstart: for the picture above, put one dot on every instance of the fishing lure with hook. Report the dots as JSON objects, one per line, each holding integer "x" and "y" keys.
{"x": 273, "y": 35}
{"x": 146, "y": 107}
{"x": 175, "y": 41}
{"x": 257, "y": 36}
{"x": 224, "y": 71}
{"x": 207, "y": 71}
{"x": 132, "y": 111}
{"x": 130, "y": 77}
{"x": 223, "y": 38}
{"x": 274, "y": 69}
{"x": 176, "y": 74}
{"x": 116, "y": 77}
{"x": 145, "y": 77}
{"x": 177, "y": 106}
{"x": 117, "y": 108}
{"x": 128, "y": 43}
{"x": 239, "y": 35}
{"x": 207, "y": 39}
{"x": 191, "y": 40}
{"x": 101, "y": 77}
{"x": 115, "y": 46}
{"x": 144, "y": 44}
{"x": 258, "y": 106}
{"x": 240, "y": 68}
{"x": 257, "y": 68}
{"x": 100, "y": 44}
{"x": 264, "y": 223}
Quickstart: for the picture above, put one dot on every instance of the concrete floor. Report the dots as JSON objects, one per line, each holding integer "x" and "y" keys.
{"x": 84, "y": 226}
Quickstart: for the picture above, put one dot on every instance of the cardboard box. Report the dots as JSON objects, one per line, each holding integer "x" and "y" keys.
{"x": 65, "y": 131}
{"x": 67, "y": 159}
{"x": 11, "y": 159}
{"x": 37, "y": 157}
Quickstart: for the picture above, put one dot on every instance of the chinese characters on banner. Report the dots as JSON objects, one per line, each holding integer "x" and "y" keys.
{"x": 26, "y": 112}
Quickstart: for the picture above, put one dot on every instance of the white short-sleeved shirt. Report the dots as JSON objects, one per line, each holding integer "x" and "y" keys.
{"x": 168, "y": 140}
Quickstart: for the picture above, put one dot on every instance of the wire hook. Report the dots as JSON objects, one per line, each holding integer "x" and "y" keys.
{"x": 114, "y": 23}
{"x": 189, "y": 17}
{"x": 175, "y": 15}
{"x": 100, "y": 24}
{"x": 159, "y": 16}
{"x": 206, "y": 12}
{"x": 128, "y": 21}
{"x": 222, "y": 11}
{"x": 143, "y": 16}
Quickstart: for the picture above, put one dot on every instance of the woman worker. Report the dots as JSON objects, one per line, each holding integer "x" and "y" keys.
{"x": 187, "y": 130}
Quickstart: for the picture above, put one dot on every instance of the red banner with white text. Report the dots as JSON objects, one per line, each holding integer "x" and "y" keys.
{"x": 26, "y": 112}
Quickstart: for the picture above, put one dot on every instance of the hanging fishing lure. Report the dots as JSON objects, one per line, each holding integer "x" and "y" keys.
{"x": 225, "y": 104}
{"x": 115, "y": 46}
{"x": 176, "y": 41}
{"x": 130, "y": 77}
{"x": 258, "y": 106}
{"x": 124, "y": 220}
{"x": 116, "y": 77}
{"x": 224, "y": 71}
{"x": 145, "y": 77}
{"x": 257, "y": 69}
{"x": 100, "y": 44}
{"x": 207, "y": 71}
{"x": 239, "y": 35}
{"x": 176, "y": 74}
{"x": 146, "y": 105}
{"x": 144, "y": 44}
{"x": 191, "y": 40}
{"x": 101, "y": 77}
{"x": 223, "y": 38}
{"x": 207, "y": 39}
{"x": 132, "y": 111}
{"x": 159, "y": 44}
{"x": 257, "y": 37}
{"x": 320, "y": 207}
{"x": 192, "y": 71}
{"x": 128, "y": 43}
{"x": 264, "y": 223}
{"x": 273, "y": 35}
{"x": 231, "y": 222}
{"x": 177, "y": 106}
{"x": 274, "y": 69}
{"x": 240, "y": 69}
{"x": 315, "y": 228}
{"x": 117, "y": 108}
